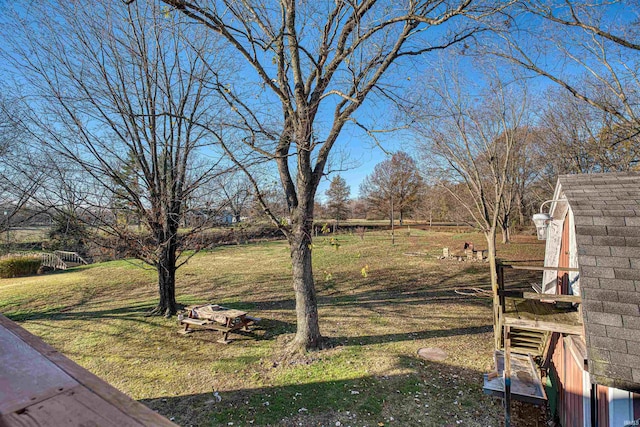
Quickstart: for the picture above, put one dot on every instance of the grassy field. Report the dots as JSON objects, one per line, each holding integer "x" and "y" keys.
{"x": 379, "y": 304}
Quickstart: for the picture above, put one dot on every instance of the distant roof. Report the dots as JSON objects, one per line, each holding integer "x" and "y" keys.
{"x": 606, "y": 209}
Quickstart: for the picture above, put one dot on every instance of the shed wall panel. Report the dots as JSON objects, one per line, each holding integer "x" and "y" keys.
{"x": 602, "y": 415}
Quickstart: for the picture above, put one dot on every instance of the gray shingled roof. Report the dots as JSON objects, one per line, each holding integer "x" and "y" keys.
{"x": 606, "y": 208}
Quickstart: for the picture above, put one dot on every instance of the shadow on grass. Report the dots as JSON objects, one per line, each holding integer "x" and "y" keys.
{"x": 378, "y": 294}
{"x": 406, "y": 336}
{"x": 133, "y": 312}
{"x": 388, "y": 289}
{"x": 266, "y": 329}
{"x": 426, "y": 393}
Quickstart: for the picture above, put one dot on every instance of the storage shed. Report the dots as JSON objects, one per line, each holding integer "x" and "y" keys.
{"x": 596, "y": 227}
{"x": 583, "y": 322}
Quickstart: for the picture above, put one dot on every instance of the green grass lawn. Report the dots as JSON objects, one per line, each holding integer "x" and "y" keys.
{"x": 372, "y": 375}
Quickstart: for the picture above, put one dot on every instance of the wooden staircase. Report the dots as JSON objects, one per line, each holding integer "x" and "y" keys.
{"x": 528, "y": 341}
{"x": 523, "y": 324}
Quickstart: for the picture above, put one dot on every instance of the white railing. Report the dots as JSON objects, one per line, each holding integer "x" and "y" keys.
{"x": 58, "y": 260}
{"x": 53, "y": 261}
{"x": 72, "y": 257}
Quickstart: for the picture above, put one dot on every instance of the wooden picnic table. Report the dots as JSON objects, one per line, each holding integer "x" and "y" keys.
{"x": 41, "y": 387}
{"x": 216, "y": 318}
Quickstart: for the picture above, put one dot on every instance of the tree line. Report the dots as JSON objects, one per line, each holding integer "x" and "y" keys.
{"x": 146, "y": 113}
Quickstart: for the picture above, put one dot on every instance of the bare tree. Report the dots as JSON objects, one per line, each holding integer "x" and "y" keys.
{"x": 394, "y": 185}
{"x": 433, "y": 205}
{"x": 236, "y": 192}
{"x": 470, "y": 141}
{"x": 575, "y": 137}
{"x": 65, "y": 195}
{"x": 523, "y": 171}
{"x": 312, "y": 65}
{"x": 591, "y": 50}
{"x": 358, "y": 208}
{"x": 109, "y": 85}
{"x": 19, "y": 180}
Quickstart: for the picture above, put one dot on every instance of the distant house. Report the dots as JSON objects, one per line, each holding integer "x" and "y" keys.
{"x": 209, "y": 216}
{"x": 226, "y": 218}
{"x": 588, "y": 338}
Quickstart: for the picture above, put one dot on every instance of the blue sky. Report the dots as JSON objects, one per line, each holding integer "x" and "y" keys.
{"x": 365, "y": 156}
{"x": 363, "y": 153}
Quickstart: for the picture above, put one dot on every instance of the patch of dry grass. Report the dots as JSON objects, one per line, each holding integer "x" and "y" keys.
{"x": 372, "y": 375}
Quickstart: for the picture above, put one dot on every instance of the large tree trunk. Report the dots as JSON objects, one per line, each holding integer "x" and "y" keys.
{"x": 308, "y": 335}
{"x": 506, "y": 234}
{"x": 166, "y": 267}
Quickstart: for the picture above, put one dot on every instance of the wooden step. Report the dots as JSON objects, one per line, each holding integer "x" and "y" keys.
{"x": 527, "y": 339}
{"x": 527, "y": 332}
{"x": 526, "y": 343}
{"x": 532, "y": 346}
{"x": 517, "y": 338}
{"x": 524, "y": 350}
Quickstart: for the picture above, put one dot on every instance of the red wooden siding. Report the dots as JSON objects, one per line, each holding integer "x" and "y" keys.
{"x": 573, "y": 389}
{"x": 569, "y": 372}
{"x": 603, "y": 406}
{"x": 570, "y": 385}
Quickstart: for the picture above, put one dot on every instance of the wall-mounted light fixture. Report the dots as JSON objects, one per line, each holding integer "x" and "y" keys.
{"x": 542, "y": 220}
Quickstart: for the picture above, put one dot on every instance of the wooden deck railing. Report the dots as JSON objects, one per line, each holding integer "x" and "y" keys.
{"x": 538, "y": 268}
{"x": 506, "y": 320}
{"x": 503, "y": 293}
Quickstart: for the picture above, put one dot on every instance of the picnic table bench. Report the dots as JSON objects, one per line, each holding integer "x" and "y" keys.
{"x": 217, "y": 318}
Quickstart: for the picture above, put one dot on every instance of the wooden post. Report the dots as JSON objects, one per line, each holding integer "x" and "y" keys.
{"x": 507, "y": 376}
{"x": 500, "y": 272}
{"x": 499, "y": 309}
{"x": 393, "y": 235}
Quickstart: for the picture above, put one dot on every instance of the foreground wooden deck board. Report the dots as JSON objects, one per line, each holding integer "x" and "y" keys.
{"x": 533, "y": 314}
{"x": 25, "y": 375}
{"x": 41, "y": 387}
{"x": 526, "y": 385}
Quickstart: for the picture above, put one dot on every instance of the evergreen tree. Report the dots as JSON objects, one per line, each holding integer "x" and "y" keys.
{"x": 338, "y": 194}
